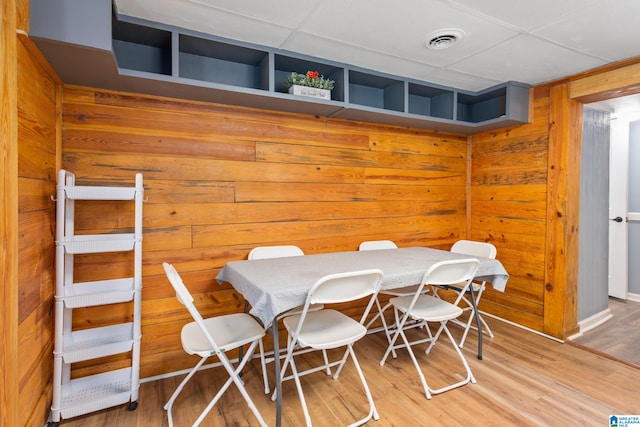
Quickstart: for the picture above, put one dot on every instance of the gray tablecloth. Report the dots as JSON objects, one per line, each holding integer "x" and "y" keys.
{"x": 276, "y": 285}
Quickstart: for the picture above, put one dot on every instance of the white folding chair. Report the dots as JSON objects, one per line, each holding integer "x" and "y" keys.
{"x": 328, "y": 329}
{"x": 215, "y": 336}
{"x": 476, "y": 249}
{"x": 398, "y": 292}
{"x": 280, "y": 251}
{"x": 427, "y": 308}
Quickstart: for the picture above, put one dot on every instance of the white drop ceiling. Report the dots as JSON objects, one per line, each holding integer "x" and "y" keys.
{"x": 504, "y": 40}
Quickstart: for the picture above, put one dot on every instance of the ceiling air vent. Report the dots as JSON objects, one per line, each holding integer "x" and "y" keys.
{"x": 444, "y": 39}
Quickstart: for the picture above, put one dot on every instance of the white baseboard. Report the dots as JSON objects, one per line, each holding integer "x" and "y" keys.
{"x": 592, "y": 322}
{"x": 633, "y": 297}
{"x": 521, "y": 327}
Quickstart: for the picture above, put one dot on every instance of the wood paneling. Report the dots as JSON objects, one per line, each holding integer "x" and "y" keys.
{"x": 508, "y": 208}
{"x": 38, "y": 112}
{"x": 618, "y": 82}
{"x": 9, "y": 380}
{"x": 220, "y": 180}
{"x": 524, "y": 199}
{"x": 563, "y": 213}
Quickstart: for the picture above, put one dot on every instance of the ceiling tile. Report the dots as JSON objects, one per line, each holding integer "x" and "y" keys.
{"x": 401, "y": 29}
{"x": 526, "y": 59}
{"x": 608, "y": 29}
{"x": 347, "y": 54}
{"x": 278, "y": 12}
{"x": 458, "y": 80}
{"x": 522, "y": 15}
{"x": 198, "y": 17}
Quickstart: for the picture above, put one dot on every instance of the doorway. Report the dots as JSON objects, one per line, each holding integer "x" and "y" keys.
{"x": 623, "y": 215}
{"x": 609, "y": 302}
{"x": 610, "y": 230}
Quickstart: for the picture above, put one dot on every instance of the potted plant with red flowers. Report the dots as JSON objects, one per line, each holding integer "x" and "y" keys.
{"x": 311, "y": 84}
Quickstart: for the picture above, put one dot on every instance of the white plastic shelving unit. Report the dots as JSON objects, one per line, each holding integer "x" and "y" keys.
{"x": 74, "y": 397}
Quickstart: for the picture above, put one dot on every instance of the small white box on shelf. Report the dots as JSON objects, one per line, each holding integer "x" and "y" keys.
{"x": 311, "y": 92}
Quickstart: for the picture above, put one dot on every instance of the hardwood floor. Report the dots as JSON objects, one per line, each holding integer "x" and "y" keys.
{"x": 618, "y": 337}
{"x": 524, "y": 379}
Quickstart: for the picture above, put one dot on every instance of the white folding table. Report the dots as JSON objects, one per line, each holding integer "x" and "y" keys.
{"x": 276, "y": 285}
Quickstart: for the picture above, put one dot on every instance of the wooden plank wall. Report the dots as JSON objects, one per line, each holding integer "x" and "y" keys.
{"x": 9, "y": 379}
{"x": 508, "y": 209}
{"x": 221, "y": 180}
{"x": 39, "y": 94}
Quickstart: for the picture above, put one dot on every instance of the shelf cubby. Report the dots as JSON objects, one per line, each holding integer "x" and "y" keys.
{"x": 217, "y": 62}
{"x": 99, "y": 342}
{"x": 99, "y": 292}
{"x": 430, "y": 101}
{"x": 285, "y": 65}
{"x": 96, "y": 392}
{"x": 476, "y": 108}
{"x": 376, "y": 91}
{"x": 142, "y": 48}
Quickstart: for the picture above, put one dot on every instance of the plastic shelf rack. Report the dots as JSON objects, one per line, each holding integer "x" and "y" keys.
{"x": 79, "y": 396}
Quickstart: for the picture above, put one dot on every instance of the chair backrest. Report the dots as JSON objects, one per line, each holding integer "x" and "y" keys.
{"x": 474, "y": 248}
{"x": 263, "y": 252}
{"x": 184, "y": 296}
{"x": 343, "y": 287}
{"x": 377, "y": 244}
{"x": 451, "y": 272}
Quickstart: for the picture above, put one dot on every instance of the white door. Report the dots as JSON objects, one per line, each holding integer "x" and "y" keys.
{"x": 619, "y": 215}
{"x": 618, "y": 171}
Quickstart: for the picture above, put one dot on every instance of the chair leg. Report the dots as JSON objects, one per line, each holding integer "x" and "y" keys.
{"x": 443, "y": 327}
{"x": 485, "y": 327}
{"x": 397, "y": 320}
{"x": 391, "y": 347}
{"x": 378, "y": 314}
{"x": 472, "y": 315}
{"x": 435, "y": 337}
{"x": 288, "y": 358}
{"x": 467, "y": 326}
{"x": 400, "y": 333}
{"x": 326, "y": 362}
{"x": 303, "y": 402}
{"x": 234, "y": 377}
{"x": 169, "y": 405}
{"x": 387, "y": 328}
{"x": 263, "y": 362}
{"x": 373, "y": 412}
{"x": 423, "y": 380}
{"x": 341, "y": 364}
{"x": 469, "y": 377}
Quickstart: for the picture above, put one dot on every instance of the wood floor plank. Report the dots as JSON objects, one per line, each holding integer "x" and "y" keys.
{"x": 524, "y": 379}
{"x": 618, "y": 337}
